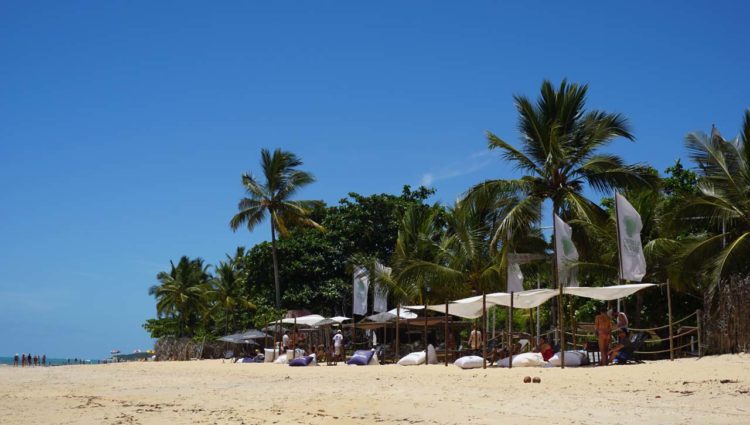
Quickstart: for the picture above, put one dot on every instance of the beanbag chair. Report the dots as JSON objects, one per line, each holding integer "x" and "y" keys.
{"x": 469, "y": 362}
{"x": 524, "y": 360}
{"x": 572, "y": 359}
{"x": 270, "y": 355}
{"x": 413, "y": 359}
{"x": 301, "y": 361}
{"x": 281, "y": 359}
{"x": 431, "y": 355}
{"x": 361, "y": 358}
{"x": 374, "y": 361}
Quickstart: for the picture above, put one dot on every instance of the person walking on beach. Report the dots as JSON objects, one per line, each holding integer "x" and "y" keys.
{"x": 603, "y": 332}
{"x": 285, "y": 341}
{"x": 36, "y": 360}
{"x": 338, "y": 344}
{"x": 15, "y": 360}
{"x": 23, "y": 359}
{"x": 44, "y": 360}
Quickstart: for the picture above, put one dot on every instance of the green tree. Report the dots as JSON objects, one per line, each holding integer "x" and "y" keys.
{"x": 181, "y": 294}
{"x": 227, "y": 292}
{"x": 721, "y": 207}
{"x": 273, "y": 198}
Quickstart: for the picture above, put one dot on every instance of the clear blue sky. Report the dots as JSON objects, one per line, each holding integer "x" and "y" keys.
{"x": 125, "y": 126}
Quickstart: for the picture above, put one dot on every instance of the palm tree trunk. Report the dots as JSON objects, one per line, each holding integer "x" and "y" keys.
{"x": 275, "y": 265}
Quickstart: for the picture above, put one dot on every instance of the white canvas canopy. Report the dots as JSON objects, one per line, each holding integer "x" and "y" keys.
{"x": 524, "y": 299}
{"x": 607, "y": 293}
{"x": 309, "y": 320}
{"x": 466, "y": 311}
{"x": 333, "y": 321}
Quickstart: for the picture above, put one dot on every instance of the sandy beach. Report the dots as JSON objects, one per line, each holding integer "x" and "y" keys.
{"x": 712, "y": 390}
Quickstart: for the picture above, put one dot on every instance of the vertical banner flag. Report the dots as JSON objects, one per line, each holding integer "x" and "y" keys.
{"x": 380, "y": 304}
{"x": 515, "y": 277}
{"x": 361, "y": 285}
{"x": 629, "y": 227}
{"x": 566, "y": 253}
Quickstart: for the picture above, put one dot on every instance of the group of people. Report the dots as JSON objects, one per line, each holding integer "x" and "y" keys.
{"x": 29, "y": 360}
{"x": 297, "y": 340}
{"x": 603, "y": 327}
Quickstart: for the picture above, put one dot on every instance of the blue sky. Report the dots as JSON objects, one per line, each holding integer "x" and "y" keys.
{"x": 125, "y": 126}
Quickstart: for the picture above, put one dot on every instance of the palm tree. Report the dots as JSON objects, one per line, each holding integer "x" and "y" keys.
{"x": 227, "y": 293}
{"x": 722, "y": 207}
{"x": 181, "y": 293}
{"x": 560, "y": 140}
{"x": 272, "y": 198}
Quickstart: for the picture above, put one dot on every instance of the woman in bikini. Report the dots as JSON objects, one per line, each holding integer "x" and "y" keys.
{"x": 603, "y": 331}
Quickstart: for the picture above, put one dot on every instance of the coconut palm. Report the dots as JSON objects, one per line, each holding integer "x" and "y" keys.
{"x": 273, "y": 198}
{"x": 559, "y": 147}
{"x": 722, "y": 207}
{"x": 227, "y": 293}
{"x": 181, "y": 293}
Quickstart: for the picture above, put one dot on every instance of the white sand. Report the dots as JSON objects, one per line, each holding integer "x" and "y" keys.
{"x": 687, "y": 391}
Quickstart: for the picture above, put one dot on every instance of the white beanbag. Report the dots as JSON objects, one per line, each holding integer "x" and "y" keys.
{"x": 431, "y": 355}
{"x": 469, "y": 362}
{"x": 413, "y": 359}
{"x": 524, "y": 360}
{"x": 281, "y": 359}
{"x": 269, "y": 355}
{"x": 374, "y": 360}
{"x": 572, "y": 359}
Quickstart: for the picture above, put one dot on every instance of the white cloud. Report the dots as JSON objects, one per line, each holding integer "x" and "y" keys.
{"x": 470, "y": 164}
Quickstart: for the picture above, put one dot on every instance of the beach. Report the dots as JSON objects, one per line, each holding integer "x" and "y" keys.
{"x": 711, "y": 390}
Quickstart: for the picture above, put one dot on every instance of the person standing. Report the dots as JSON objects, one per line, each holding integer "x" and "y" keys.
{"x": 15, "y": 360}
{"x": 285, "y": 341}
{"x": 338, "y": 344}
{"x": 475, "y": 339}
{"x": 603, "y": 332}
{"x": 44, "y": 360}
{"x": 23, "y": 359}
{"x": 622, "y": 322}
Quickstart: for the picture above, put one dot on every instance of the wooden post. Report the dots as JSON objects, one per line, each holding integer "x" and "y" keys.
{"x": 424, "y": 333}
{"x": 699, "y": 318}
{"x": 669, "y": 318}
{"x": 446, "y": 332}
{"x": 484, "y": 331}
{"x": 510, "y": 332}
{"x": 561, "y": 316}
{"x": 398, "y": 320}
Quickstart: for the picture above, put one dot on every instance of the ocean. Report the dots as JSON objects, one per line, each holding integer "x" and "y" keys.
{"x": 50, "y": 361}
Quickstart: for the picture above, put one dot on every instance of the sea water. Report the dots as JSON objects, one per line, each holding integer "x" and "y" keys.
{"x": 50, "y": 361}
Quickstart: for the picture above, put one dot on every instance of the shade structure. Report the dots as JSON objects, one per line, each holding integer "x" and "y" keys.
{"x": 466, "y": 310}
{"x": 337, "y": 320}
{"x": 524, "y": 299}
{"x": 607, "y": 293}
{"x": 253, "y": 334}
{"x": 309, "y": 320}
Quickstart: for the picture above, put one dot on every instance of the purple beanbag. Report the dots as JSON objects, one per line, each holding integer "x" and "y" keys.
{"x": 361, "y": 358}
{"x": 301, "y": 361}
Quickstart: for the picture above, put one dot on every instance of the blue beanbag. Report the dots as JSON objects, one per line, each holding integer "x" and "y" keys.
{"x": 361, "y": 358}
{"x": 301, "y": 361}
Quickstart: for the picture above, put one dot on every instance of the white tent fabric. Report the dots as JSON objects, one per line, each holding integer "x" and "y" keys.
{"x": 309, "y": 320}
{"x": 405, "y": 313}
{"x": 465, "y": 310}
{"x": 332, "y": 320}
{"x": 524, "y": 299}
{"x": 607, "y": 293}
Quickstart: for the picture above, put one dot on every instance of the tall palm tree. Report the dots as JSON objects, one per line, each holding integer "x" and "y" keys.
{"x": 273, "y": 198}
{"x": 722, "y": 207}
{"x": 227, "y": 293}
{"x": 181, "y": 293}
{"x": 559, "y": 147}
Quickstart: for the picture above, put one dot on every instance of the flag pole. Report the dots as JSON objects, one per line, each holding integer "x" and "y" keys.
{"x": 560, "y": 322}
{"x": 510, "y": 332}
{"x": 619, "y": 247}
{"x": 484, "y": 330}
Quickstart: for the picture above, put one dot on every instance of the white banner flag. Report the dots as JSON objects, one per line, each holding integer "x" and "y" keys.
{"x": 566, "y": 253}
{"x": 515, "y": 278}
{"x": 380, "y": 304}
{"x": 631, "y": 250}
{"x": 361, "y": 285}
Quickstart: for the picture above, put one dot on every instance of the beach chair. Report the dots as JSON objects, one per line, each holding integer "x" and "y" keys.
{"x": 628, "y": 355}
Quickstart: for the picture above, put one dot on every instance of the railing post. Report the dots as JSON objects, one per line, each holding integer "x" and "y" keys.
{"x": 669, "y": 312}
{"x": 699, "y": 319}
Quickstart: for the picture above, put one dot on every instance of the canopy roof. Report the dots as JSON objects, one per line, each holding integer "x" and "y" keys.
{"x": 309, "y": 320}
{"x": 333, "y": 321}
{"x": 536, "y": 297}
{"x": 245, "y": 337}
{"x": 607, "y": 293}
{"x": 466, "y": 311}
